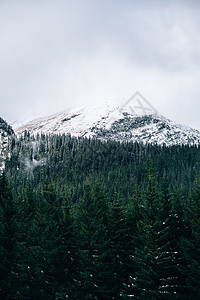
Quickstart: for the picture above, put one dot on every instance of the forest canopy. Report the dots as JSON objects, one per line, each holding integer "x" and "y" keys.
{"x": 85, "y": 219}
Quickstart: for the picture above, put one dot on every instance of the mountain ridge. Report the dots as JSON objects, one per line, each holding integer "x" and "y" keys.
{"x": 109, "y": 122}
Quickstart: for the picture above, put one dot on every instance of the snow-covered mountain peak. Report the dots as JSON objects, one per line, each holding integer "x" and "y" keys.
{"x": 117, "y": 122}
{"x": 75, "y": 121}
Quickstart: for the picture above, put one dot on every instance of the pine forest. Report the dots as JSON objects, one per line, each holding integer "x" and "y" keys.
{"x": 85, "y": 219}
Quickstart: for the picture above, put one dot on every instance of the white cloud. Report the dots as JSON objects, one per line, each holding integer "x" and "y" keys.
{"x": 55, "y": 54}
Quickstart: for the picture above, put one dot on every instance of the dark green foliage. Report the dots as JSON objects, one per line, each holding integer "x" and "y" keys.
{"x": 63, "y": 159}
{"x": 191, "y": 245}
{"x": 157, "y": 255}
{"x": 95, "y": 268}
{"x": 144, "y": 284}
{"x": 8, "y": 240}
{"x": 122, "y": 236}
{"x": 85, "y": 219}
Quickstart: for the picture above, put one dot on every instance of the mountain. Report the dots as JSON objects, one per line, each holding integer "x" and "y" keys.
{"x": 115, "y": 123}
{"x": 5, "y": 131}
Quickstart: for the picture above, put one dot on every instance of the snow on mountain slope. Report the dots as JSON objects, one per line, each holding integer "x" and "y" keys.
{"x": 5, "y": 131}
{"x": 110, "y": 122}
{"x": 76, "y": 122}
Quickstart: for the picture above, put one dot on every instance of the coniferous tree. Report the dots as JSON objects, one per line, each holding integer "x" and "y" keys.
{"x": 171, "y": 281}
{"x": 102, "y": 253}
{"x": 132, "y": 218}
{"x": 95, "y": 260}
{"x": 65, "y": 258}
{"x": 123, "y": 237}
{"x": 26, "y": 212}
{"x": 8, "y": 241}
{"x": 144, "y": 284}
{"x": 191, "y": 245}
{"x": 178, "y": 231}
{"x": 156, "y": 260}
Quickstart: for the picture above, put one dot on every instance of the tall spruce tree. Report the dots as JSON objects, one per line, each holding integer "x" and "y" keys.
{"x": 95, "y": 259}
{"x": 191, "y": 245}
{"x": 120, "y": 245}
{"x": 65, "y": 258}
{"x": 178, "y": 230}
{"x": 144, "y": 284}
{"x": 155, "y": 256}
{"x": 25, "y": 216}
{"x": 8, "y": 241}
{"x": 123, "y": 231}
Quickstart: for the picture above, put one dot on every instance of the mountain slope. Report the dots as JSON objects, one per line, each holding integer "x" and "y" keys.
{"x": 5, "y": 131}
{"x": 109, "y": 122}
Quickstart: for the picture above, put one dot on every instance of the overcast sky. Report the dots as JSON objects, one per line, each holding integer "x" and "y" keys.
{"x": 57, "y": 54}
